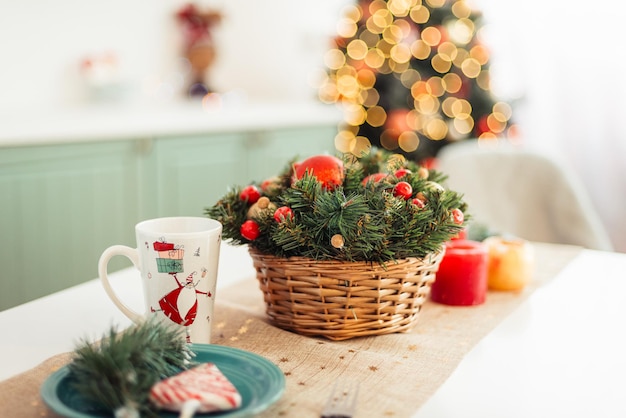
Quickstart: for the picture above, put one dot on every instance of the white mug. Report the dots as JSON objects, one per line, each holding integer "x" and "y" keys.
{"x": 178, "y": 260}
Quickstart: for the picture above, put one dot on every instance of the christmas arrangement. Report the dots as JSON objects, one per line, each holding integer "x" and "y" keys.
{"x": 344, "y": 247}
{"x": 377, "y": 208}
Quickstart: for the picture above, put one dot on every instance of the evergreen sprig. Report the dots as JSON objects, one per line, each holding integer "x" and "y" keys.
{"x": 118, "y": 372}
{"x": 375, "y": 225}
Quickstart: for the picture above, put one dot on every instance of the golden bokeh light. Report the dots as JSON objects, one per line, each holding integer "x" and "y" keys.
{"x": 440, "y": 65}
{"x": 436, "y": 85}
{"x": 399, "y": 8}
{"x": 334, "y": 59}
{"x": 376, "y": 116}
{"x": 384, "y": 47}
{"x": 352, "y": 12}
{"x": 420, "y": 14}
{"x": 453, "y": 82}
{"x": 374, "y": 58}
{"x": 427, "y": 104}
{"x": 436, "y": 3}
{"x": 461, "y": 9}
{"x": 494, "y": 124}
{"x": 408, "y": 141}
{"x": 484, "y": 80}
{"x": 480, "y": 54}
{"x": 328, "y": 93}
{"x": 436, "y": 129}
{"x": 398, "y": 67}
{"x": 366, "y": 78}
{"x": 388, "y": 140}
{"x": 354, "y": 114}
{"x": 419, "y": 88}
{"x": 431, "y": 36}
{"x": 463, "y": 124}
{"x": 420, "y": 49}
{"x": 357, "y": 49}
{"x": 447, "y": 51}
{"x": 471, "y": 68}
{"x": 346, "y": 28}
{"x": 461, "y": 107}
{"x": 414, "y": 120}
{"x": 348, "y": 86}
{"x": 362, "y": 146}
{"x": 400, "y": 53}
{"x": 447, "y": 106}
{"x": 345, "y": 141}
{"x": 461, "y": 31}
{"x": 382, "y": 18}
{"x": 371, "y": 97}
{"x": 410, "y": 77}
{"x": 393, "y": 34}
{"x": 404, "y": 26}
{"x": 502, "y": 111}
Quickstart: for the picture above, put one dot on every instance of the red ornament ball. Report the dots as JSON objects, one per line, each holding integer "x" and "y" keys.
{"x": 249, "y": 230}
{"x": 402, "y": 172}
{"x": 283, "y": 213}
{"x": 328, "y": 170}
{"x": 373, "y": 178}
{"x": 250, "y": 194}
{"x": 457, "y": 216}
{"x": 403, "y": 189}
{"x": 418, "y": 202}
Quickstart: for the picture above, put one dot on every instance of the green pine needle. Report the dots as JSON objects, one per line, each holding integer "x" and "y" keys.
{"x": 118, "y": 372}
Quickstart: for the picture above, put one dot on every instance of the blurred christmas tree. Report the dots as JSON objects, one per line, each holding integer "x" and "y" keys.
{"x": 412, "y": 77}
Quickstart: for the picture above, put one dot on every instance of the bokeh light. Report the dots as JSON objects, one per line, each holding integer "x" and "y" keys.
{"x": 412, "y": 75}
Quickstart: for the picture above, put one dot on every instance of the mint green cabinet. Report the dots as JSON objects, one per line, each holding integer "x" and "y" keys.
{"x": 62, "y": 205}
{"x": 190, "y": 172}
{"x": 194, "y": 172}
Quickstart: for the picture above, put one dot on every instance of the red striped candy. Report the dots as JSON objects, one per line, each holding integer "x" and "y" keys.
{"x": 204, "y": 383}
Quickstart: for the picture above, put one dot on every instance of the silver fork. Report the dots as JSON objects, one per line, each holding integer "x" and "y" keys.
{"x": 342, "y": 401}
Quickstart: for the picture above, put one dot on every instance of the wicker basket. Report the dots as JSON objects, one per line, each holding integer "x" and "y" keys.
{"x": 341, "y": 300}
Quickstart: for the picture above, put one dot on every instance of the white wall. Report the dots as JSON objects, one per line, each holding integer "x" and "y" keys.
{"x": 266, "y": 48}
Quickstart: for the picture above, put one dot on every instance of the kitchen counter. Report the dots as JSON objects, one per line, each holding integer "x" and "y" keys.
{"x": 123, "y": 121}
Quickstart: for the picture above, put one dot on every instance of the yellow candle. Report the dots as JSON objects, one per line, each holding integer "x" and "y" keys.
{"x": 510, "y": 263}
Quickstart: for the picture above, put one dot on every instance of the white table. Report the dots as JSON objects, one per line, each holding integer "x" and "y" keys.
{"x": 562, "y": 353}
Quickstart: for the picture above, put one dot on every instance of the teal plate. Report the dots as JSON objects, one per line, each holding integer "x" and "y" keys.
{"x": 258, "y": 380}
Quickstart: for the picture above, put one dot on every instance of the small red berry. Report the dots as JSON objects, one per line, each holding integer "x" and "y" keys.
{"x": 418, "y": 202}
{"x": 249, "y": 230}
{"x": 457, "y": 216}
{"x": 402, "y": 172}
{"x": 250, "y": 194}
{"x": 403, "y": 189}
{"x": 283, "y": 213}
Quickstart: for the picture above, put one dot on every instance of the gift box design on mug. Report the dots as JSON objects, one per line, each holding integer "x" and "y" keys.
{"x": 170, "y": 259}
{"x": 180, "y": 304}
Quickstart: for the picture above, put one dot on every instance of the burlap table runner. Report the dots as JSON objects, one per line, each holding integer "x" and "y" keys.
{"x": 397, "y": 372}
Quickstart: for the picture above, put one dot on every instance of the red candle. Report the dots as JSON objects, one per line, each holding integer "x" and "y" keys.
{"x": 462, "y": 275}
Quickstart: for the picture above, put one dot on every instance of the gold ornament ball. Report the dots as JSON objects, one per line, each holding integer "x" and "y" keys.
{"x": 337, "y": 241}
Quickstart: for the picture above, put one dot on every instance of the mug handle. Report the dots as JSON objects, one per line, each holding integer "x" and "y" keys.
{"x": 133, "y": 255}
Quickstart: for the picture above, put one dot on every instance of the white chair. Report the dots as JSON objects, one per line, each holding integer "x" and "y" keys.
{"x": 523, "y": 193}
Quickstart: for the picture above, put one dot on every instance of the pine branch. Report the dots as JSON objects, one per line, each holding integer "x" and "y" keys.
{"x": 118, "y": 372}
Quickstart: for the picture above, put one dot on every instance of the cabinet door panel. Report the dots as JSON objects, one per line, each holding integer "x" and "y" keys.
{"x": 61, "y": 207}
{"x": 269, "y": 152}
{"x": 193, "y": 173}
